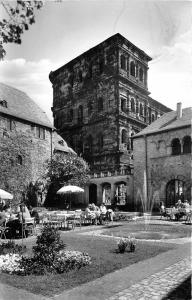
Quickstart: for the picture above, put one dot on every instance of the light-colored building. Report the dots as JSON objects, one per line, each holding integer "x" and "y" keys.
{"x": 162, "y": 160}
{"x": 27, "y": 140}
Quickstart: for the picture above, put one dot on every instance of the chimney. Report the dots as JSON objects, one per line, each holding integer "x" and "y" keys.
{"x": 179, "y": 110}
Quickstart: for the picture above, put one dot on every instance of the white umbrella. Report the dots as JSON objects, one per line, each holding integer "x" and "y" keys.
{"x": 5, "y": 195}
{"x": 70, "y": 189}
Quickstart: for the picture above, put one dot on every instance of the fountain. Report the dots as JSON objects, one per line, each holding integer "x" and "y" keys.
{"x": 147, "y": 201}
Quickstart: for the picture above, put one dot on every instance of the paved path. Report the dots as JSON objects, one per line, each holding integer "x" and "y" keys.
{"x": 157, "y": 286}
{"x": 172, "y": 266}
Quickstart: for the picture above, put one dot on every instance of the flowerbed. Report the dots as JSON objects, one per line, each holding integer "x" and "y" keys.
{"x": 49, "y": 256}
{"x": 64, "y": 262}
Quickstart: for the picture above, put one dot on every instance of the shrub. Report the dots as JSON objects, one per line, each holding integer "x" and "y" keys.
{"x": 50, "y": 256}
{"x": 122, "y": 244}
{"x": 126, "y": 241}
{"x": 11, "y": 247}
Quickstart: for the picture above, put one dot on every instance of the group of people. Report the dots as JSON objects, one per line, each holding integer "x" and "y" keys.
{"x": 98, "y": 214}
{"x": 178, "y": 211}
{"x": 14, "y": 218}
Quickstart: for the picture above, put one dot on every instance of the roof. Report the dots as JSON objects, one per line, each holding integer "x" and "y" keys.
{"x": 18, "y": 104}
{"x": 60, "y": 145}
{"x": 116, "y": 37}
{"x": 168, "y": 121}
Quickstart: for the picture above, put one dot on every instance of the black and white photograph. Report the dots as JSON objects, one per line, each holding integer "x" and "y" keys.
{"x": 95, "y": 149}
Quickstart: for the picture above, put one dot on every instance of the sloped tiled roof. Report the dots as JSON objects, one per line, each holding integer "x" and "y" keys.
{"x": 59, "y": 144}
{"x": 167, "y": 122}
{"x": 21, "y": 106}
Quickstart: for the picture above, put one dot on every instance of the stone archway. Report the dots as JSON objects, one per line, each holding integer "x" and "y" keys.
{"x": 93, "y": 193}
{"x": 106, "y": 193}
{"x": 121, "y": 193}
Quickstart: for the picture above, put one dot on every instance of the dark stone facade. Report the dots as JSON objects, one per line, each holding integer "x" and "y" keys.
{"x": 100, "y": 100}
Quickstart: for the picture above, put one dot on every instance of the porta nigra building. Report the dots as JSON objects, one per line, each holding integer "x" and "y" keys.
{"x": 100, "y": 100}
{"x": 162, "y": 160}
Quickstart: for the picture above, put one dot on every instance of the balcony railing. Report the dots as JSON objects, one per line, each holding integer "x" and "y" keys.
{"x": 110, "y": 174}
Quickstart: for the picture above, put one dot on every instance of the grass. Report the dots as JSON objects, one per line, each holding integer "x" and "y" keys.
{"x": 105, "y": 259}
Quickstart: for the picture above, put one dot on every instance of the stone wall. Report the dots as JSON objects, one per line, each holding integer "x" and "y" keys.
{"x": 159, "y": 165}
{"x": 22, "y": 154}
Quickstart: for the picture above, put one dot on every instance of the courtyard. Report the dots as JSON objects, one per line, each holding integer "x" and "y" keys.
{"x": 160, "y": 243}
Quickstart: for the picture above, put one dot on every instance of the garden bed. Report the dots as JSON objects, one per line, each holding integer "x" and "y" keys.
{"x": 105, "y": 259}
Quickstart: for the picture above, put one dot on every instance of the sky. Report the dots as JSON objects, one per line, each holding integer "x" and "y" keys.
{"x": 64, "y": 29}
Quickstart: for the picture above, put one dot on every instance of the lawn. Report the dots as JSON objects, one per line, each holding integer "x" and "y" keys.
{"x": 105, "y": 259}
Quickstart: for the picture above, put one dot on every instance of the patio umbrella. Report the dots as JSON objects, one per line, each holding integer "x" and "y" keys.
{"x": 5, "y": 195}
{"x": 70, "y": 189}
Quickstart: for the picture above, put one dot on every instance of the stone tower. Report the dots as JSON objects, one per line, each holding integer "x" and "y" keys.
{"x": 100, "y": 100}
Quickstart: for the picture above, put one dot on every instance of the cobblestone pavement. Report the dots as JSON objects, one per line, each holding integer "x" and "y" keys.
{"x": 157, "y": 286}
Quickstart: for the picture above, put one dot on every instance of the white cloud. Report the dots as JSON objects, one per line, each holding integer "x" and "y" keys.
{"x": 30, "y": 77}
{"x": 170, "y": 74}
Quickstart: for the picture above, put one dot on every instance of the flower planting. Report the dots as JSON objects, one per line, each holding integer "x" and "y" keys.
{"x": 125, "y": 242}
{"x": 49, "y": 256}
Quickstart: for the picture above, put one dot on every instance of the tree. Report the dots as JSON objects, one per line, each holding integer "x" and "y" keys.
{"x": 14, "y": 174}
{"x": 19, "y": 19}
{"x": 65, "y": 169}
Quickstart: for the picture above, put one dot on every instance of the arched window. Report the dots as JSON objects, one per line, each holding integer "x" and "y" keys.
{"x": 132, "y": 140}
{"x": 176, "y": 147}
{"x": 132, "y": 105}
{"x": 123, "y": 104}
{"x": 100, "y": 104}
{"x": 141, "y": 74}
{"x": 123, "y": 62}
{"x": 80, "y": 114}
{"x": 19, "y": 160}
{"x": 152, "y": 117}
{"x": 132, "y": 69}
{"x": 137, "y": 107}
{"x": 175, "y": 190}
{"x": 141, "y": 109}
{"x": 123, "y": 136}
{"x": 187, "y": 144}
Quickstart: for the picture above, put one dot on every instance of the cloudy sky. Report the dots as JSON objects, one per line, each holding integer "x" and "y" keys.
{"x": 65, "y": 29}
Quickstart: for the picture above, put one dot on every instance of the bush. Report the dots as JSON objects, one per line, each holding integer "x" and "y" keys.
{"x": 127, "y": 241}
{"x": 50, "y": 256}
{"x": 11, "y": 247}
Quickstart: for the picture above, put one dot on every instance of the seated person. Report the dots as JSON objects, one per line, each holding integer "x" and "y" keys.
{"x": 179, "y": 204}
{"x": 23, "y": 212}
{"x": 110, "y": 214}
{"x": 96, "y": 210}
{"x": 90, "y": 214}
{"x": 103, "y": 211}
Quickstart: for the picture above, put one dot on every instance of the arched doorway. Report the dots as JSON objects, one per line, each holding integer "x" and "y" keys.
{"x": 93, "y": 193}
{"x": 106, "y": 192}
{"x": 175, "y": 190}
{"x": 121, "y": 193}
